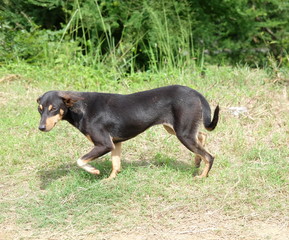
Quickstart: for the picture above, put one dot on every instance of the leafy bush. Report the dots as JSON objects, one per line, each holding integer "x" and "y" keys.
{"x": 134, "y": 35}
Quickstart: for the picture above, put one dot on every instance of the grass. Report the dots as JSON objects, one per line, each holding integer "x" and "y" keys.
{"x": 44, "y": 191}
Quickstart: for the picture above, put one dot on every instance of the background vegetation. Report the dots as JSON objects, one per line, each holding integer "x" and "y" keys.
{"x": 134, "y": 35}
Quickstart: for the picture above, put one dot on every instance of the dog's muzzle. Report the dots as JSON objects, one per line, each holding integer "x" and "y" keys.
{"x": 42, "y": 127}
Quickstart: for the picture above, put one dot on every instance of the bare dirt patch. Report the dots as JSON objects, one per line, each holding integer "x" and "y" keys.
{"x": 184, "y": 226}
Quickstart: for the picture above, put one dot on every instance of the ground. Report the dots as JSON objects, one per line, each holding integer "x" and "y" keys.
{"x": 244, "y": 198}
{"x": 209, "y": 226}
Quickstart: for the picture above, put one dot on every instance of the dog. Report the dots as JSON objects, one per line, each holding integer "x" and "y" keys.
{"x": 108, "y": 119}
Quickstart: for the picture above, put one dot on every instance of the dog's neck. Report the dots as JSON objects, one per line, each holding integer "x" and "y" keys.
{"x": 74, "y": 115}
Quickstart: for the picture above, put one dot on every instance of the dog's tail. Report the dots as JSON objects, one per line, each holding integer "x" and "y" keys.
{"x": 209, "y": 125}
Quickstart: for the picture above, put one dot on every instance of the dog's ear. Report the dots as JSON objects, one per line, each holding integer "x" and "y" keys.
{"x": 69, "y": 98}
{"x": 38, "y": 100}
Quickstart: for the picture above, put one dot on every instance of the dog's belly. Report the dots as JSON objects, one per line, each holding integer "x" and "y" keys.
{"x": 125, "y": 131}
{"x": 128, "y": 131}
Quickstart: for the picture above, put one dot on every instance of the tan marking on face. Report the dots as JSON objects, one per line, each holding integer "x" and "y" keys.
{"x": 41, "y": 107}
{"x": 50, "y": 107}
{"x": 61, "y": 112}
{"x": 51, "y": 121}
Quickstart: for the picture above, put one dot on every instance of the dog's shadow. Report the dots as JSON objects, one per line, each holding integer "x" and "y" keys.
{"x": 47, "y": 177}
{"x": 51, "y": 175}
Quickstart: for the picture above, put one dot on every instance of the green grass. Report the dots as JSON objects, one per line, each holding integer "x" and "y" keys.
{"x": 41, "y": 186}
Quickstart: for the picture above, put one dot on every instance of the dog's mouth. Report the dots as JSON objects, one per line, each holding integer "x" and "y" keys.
{"x": 44, "y": 128}
{"x": 49, "y": 123}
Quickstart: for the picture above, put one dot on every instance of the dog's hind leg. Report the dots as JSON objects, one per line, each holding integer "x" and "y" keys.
{"x": 115, "y": 158}
{"x": 202, "y": 140}
{"x": 193, "y": 145}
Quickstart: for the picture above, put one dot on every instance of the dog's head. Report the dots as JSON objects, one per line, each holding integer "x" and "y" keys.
{"x": 53, "y": 106}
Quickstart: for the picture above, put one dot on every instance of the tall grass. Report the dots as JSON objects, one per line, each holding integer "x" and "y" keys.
{"x": 147, "y": 37}
{"x": 170, "y": 45}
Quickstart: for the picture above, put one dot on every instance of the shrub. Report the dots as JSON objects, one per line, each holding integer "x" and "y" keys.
{"x": 134, "y": 35}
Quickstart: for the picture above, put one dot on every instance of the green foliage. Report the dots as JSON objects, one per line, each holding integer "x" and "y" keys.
{"x": 134, "y": 35}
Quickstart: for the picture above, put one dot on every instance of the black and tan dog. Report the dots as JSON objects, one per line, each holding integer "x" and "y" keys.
{"x": 109, "y": 119}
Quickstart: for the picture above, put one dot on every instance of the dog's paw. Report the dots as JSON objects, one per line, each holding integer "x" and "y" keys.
{"x": 95, "y": 172}
{"x": 200, "y": 177}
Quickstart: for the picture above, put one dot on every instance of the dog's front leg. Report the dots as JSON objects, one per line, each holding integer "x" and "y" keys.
{"x": 115, "y": 158}
{"x": 96, "y": 152}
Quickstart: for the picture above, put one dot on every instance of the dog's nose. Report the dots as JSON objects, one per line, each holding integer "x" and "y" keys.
{"x": 42, "y": 127}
